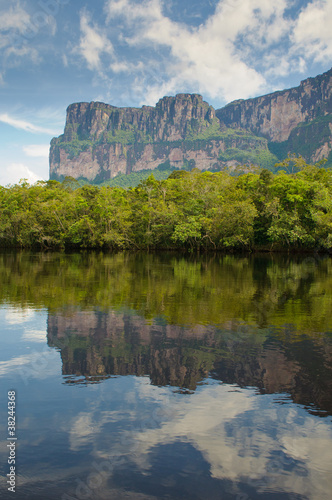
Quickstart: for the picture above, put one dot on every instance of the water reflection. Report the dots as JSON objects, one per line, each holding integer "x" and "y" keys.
{"x": 259, "y": 291}
{"x": 182, "y": 378}
{"x": 95, "y": 345}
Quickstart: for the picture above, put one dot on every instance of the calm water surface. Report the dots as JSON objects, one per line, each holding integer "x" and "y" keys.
{"x": 167, "y": 377}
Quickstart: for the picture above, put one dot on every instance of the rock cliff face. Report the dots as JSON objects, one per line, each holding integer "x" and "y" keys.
{"x": 172, "y": 119}
{"x": 298, "y": 120}
{"x": 101, "y": 140}
{"x": 276, "y": 115}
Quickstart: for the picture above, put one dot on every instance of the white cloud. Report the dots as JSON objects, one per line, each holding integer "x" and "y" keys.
{"x": 126, "y": 67}
{"x": 37, "y": 150}
{"x": 14, "y": 172}
{"x": 117, "y": 7}
{"x": 19, "y": 32}
{"x": 82, "y": 431}
{"x": 23, "y": 52}
{"x": 14, "y": 24}
{"x": 93, "y": 43}
{"x": 15, "y": 18}
{"x": 24, "y": 125}
{"x": 242, "y": 436}
{"x": 13, "y": 364}
{"x": 216, "y": 59}
{"x": 312, "y": 33}
{"x": 244, "y": 48}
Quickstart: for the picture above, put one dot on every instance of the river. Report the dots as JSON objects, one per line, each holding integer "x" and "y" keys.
{"x": 164, "y": 376}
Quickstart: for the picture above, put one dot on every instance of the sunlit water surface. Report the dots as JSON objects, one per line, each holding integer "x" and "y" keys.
{"x": 167, "y": 377}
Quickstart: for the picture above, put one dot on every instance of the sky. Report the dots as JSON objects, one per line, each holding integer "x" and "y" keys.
{"x": 134, "y": 52}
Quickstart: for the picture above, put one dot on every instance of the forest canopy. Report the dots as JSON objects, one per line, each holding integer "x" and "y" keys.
{"x": 290, "y": 209}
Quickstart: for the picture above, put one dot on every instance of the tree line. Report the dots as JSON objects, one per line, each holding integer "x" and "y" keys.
{"x": 290, "y": 209}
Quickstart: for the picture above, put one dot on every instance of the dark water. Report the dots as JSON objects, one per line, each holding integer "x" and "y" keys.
{"x": 167, "y": 377}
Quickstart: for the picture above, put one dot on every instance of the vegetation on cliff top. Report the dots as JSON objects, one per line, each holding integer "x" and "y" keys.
{"x": 189, "y": 210}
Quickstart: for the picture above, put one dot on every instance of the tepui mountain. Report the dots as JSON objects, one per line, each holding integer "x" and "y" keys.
{"x": 101, "y": 140}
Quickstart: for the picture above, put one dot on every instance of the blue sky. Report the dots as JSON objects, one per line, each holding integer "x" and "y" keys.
{"x": 133, "y": 52}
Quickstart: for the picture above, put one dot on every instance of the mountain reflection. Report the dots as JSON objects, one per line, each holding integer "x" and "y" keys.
{"x": 263, "y": 321}
{"x": 215, "y": 363}
{"x": 95, "y": 345}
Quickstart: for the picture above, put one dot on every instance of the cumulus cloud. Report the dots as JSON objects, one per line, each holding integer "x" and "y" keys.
{"x": 14, "y": 24}
{"x": 13, "y": 364}
{"x": 242, "y": 436}
{"x": 14, "y": 172}
{"x": 23, "y": 52}
{"x": 38, "y": 365}
{"x": 241, "y": 50}
{"x": 231, "y": 456}
{"x": 82, "y": 431}
{"x": 312, "y": 33}
{"x": 219, "y": 58}
{"x": 126, "y": 67}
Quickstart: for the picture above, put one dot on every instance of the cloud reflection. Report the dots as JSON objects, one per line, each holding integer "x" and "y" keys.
{"x": 38, "y": 336}
{"x": 16, "y": 316}
{"x": 36, "y": 365}
{"x": 243, "y": 438}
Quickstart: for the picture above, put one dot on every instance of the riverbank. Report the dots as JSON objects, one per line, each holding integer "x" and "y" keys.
{"x": 189, "y": 211}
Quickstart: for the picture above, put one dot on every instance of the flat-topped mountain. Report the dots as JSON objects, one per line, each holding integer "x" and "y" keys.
{"x": 101, "y": 140}
{"x": 173, "y": 118}
{"x": 298, "y": 120}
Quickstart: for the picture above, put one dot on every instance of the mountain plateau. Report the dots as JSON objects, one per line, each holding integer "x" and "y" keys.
{"x": 101, "y": 141}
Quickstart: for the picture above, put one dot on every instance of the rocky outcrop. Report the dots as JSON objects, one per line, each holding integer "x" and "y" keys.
{"x": 101, "y": 141}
